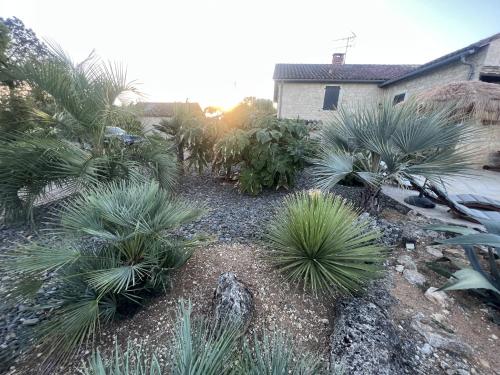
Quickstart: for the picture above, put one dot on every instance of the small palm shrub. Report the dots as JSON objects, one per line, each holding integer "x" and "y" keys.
{"x": 275, "y": 355}
{"x": 317, "y": 240}
{"x": 119, "y": 245}
{"x": 376, "y": 144}
{"x": 192, "y": 132}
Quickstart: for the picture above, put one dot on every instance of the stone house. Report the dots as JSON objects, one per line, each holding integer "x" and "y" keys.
{"x": 152, "y": 113}
{"x": 314, "y": 91}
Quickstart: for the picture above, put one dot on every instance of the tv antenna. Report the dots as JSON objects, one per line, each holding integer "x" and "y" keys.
{"x": 343, "y": 44}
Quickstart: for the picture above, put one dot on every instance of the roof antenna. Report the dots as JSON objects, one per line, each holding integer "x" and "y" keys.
{"x": 342, "y": 45}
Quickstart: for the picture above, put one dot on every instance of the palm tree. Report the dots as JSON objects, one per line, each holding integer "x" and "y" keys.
{"x": 379, "y": 143}
{"x": 78, "y": 150}
{"x": 119, "y": 244}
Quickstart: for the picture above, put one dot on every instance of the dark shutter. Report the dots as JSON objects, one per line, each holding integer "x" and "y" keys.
{"x": 331, "y": 97}
{"x": 398, "y": 98}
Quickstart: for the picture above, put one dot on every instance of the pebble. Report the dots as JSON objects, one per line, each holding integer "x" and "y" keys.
{"x": 30, "y": 322}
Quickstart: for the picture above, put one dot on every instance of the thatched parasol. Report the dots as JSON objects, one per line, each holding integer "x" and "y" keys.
{"x": 478, "y": 99}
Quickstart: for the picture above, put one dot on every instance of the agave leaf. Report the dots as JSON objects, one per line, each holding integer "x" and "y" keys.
{"x": 491, "y": 226}
{"x": 468, "y": 279}
{"x": 451, "y": 229}
{"x": 485, "y": 239}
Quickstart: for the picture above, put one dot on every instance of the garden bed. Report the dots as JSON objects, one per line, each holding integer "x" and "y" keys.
{"x": 236, "y": 224}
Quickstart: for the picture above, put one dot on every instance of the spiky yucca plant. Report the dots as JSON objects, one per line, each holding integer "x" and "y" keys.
{"x": 317, "y": 239}
{"x": 132, "y": 361}
{"x": 118, "y": 248}
{"x": 378, "y": 143}
{"x": 276, "y": 355}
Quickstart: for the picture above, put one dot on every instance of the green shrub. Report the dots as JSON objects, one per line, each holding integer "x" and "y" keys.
{"x": 318, "y": 240}
{"x": 376, "y": 144}
{"x": 73, "y": 149}
{"x": 275, "y": 355}
{"x": 118, "y": 248}
{"x": 132, "y": 361}
{"x": 191, "y": 132}
{"x": 199, "y": 349}
{"x": 268, "y": 155}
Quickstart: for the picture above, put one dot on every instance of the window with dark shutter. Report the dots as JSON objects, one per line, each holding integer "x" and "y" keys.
{"x": 331, "y": 98}
{"x": 398, "y": 98}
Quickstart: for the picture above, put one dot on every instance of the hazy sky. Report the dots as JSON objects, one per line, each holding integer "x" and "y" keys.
{"x": 217, "y": 52}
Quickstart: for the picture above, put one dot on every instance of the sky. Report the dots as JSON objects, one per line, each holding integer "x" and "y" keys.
{"x": 218, "y": 52}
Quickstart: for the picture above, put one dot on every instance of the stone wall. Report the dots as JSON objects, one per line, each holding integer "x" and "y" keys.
{"x": 305, "y": 100}
{"x": 456, "y": 71}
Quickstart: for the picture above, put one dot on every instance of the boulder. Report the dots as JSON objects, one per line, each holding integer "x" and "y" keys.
{"x": 407, "y": 261}
{"x": 414, "y": 277}
{"x": 365, "y": 340}
{"x": 435, "y": 296}
{"x": 232, "y": 302}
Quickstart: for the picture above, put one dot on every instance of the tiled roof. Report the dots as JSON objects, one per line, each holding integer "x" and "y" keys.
{"x": 453, "y": 56}
{"x": 345, "y": 72}
{"x": 383, "y": 74}
{"x": 163, "y": 109}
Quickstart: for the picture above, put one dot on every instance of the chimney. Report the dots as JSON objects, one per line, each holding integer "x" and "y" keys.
{"x": 338, "y": 59}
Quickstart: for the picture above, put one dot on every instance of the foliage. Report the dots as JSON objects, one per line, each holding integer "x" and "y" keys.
{"x": 471, "y": 240}
{"x": 275, "y": 355}
{"x": 247, "y": 113}
{"x": 318, "y": 240}
{"x": 23, "y": 44}
{"x": 132, "y": 361}
{"x": 199, "y": 349}
{"x": 191, "y": 132}
{"x": 268, "y": 155}
{"x": 75, "y": 149}
{"x": 376, "y": 144}
{"x": 117, "y": 248}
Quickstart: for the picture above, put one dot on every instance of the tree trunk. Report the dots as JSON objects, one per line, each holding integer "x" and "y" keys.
{"x": 370, "y": 199}
{"x": 180, "y": 156}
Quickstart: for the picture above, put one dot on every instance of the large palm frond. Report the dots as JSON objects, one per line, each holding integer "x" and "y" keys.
{"x": 394, "y": 141}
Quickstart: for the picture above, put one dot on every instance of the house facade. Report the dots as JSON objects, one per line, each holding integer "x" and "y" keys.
{"x": 314, "y": 91}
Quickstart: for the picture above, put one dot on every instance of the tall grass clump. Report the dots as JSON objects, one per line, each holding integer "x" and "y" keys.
{"x": 317, "y": 240}
{"x": 119, "y": 245}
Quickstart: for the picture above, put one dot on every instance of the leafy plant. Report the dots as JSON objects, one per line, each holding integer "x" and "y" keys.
{"x": 268, "y": 155}
{"x": 77, "y": 150}
{"x": 132, "y": 361}
{"x": 275, "y": 355}
{"x": 118, "y": 248}
{"x": 317, "y": 240}
{"x": 471, "y": 241}
{"x": 192, "y": 133}
{"x": 376, "y": 144}
{"x": 199, "y": 348}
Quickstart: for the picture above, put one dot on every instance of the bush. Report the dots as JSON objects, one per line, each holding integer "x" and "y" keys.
{"x": 199, "y": 349}
{"x": 118, "y": 248}
{"x": 318, "y": 240}
{"x": 377, "y": 144}
{"x": 276, "y": 356}
{"x": 268, "y": 155}
{"x": 72, "y": 148}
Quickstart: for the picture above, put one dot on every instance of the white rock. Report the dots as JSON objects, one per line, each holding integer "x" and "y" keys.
{"x": 426, "y": 349}
{"x": 400, "y": 268}
{"x": 414, "y": 277}
{"x": 434, "y": 251}
{"x": 435, "y": 296}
